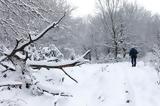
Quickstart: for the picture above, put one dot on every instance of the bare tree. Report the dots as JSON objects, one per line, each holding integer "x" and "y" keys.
{"x": 109, "y": 10}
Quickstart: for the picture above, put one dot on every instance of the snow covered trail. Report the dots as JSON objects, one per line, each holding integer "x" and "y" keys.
{"x": 143, "y": 81}
{"x": 116, "y": 84}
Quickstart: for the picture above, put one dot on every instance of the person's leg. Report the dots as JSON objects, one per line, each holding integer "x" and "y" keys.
{"x": 132, "y": 61}
{"x": 135, "y": 62}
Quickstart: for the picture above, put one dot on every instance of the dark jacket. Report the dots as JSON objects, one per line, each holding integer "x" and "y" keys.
{"x": 133, "y": 52}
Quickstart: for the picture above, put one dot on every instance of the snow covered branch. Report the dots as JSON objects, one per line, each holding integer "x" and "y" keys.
{"x": 69, "y": 75}
{"x": 7, "y": 67}
{"x": 59, "y": 65}
{"x": 11, "y": 84}
{"x": 32, "y": 40}
{"x": 20, "y": 45}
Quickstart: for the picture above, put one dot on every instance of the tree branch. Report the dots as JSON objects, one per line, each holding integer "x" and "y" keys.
{"x": 76, "y": 62}
{"x": 7, "y": 68}
{"x": 11, "y": 84}
{"x": 42, "y": 33}
{"x": 69, "y": 75}
{"x": 21, "y": 48}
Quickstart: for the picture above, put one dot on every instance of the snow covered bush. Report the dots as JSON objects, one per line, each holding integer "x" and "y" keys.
{"x": 154, "y": 58}
{"x": 14, "y": 102}
{"x": 50, "y": 53}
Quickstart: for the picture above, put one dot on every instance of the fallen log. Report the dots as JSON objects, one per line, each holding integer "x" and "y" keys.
{"x": 60, "y": 65}
{"x": 64, "y": 64}
{"x": 11, "y": 84}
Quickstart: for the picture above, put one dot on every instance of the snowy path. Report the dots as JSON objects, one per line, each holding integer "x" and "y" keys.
{"x": 115, "y": 85}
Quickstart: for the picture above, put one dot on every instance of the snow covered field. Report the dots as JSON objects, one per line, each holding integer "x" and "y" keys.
{"x": 115, "y": 84}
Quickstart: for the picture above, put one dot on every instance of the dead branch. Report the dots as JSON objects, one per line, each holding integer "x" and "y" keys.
{"x": 6, "y": 68}
{"x": 39, "y": 65}
{"x": 76, "y": 62}
{"x": 11, "y": 84}
{"x": 53, "y": 25}
{"x": 69, "y": 75}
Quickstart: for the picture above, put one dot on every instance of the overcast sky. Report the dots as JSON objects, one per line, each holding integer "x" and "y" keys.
{"x": 151, "y": 5}
{"x": 85, "y": 7}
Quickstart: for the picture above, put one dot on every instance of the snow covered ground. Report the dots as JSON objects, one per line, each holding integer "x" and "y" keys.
{"x": 115, "y": 84}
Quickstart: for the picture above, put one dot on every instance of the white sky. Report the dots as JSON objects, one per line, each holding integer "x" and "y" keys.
{"x": 151, "y": 5}
{"x": 85, "y": 7}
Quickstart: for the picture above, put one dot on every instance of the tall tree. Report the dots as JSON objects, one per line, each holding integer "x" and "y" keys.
{"x": 109, "y": 10}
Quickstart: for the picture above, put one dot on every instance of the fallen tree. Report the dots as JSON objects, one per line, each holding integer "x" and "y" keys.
{"x": 60, "y": 65}
{"x": 11, "y": 83}
{"x": 19, "y": 58}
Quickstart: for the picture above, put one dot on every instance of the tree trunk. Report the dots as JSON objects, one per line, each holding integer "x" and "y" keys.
{"x": 115, "y": 50}
{"x": 124, "y": 52}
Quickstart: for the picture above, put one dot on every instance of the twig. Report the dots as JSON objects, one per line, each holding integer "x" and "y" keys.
{"x": 69, "y": 75}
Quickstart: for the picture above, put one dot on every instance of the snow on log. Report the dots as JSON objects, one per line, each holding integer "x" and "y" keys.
{"x": 20, "y": 55}
{"x": 10, "y": 83}
{"x": 68, "y": 63}
{"x": 7, "y": 66}
{"x": 60, "y": 65}
{"x": 3, "y": 58}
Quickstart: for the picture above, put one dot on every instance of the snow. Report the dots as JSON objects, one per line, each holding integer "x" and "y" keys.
{"x": 9, "y": 65}
{"x": 117, "y": 84}
{"x": 114, "y": 84}
{"x": 20, "y": 55}
{"x": 10, "y": 83}
{"x": 2, "y": 58}
{"x": 78, "y": 61}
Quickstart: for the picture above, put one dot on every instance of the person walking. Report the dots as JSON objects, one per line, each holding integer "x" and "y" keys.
{"x": 133, "y": 54}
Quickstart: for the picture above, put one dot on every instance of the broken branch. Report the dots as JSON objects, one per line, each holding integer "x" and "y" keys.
{"x": 69, "y": 75}
{"x": 76, "y": 62}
